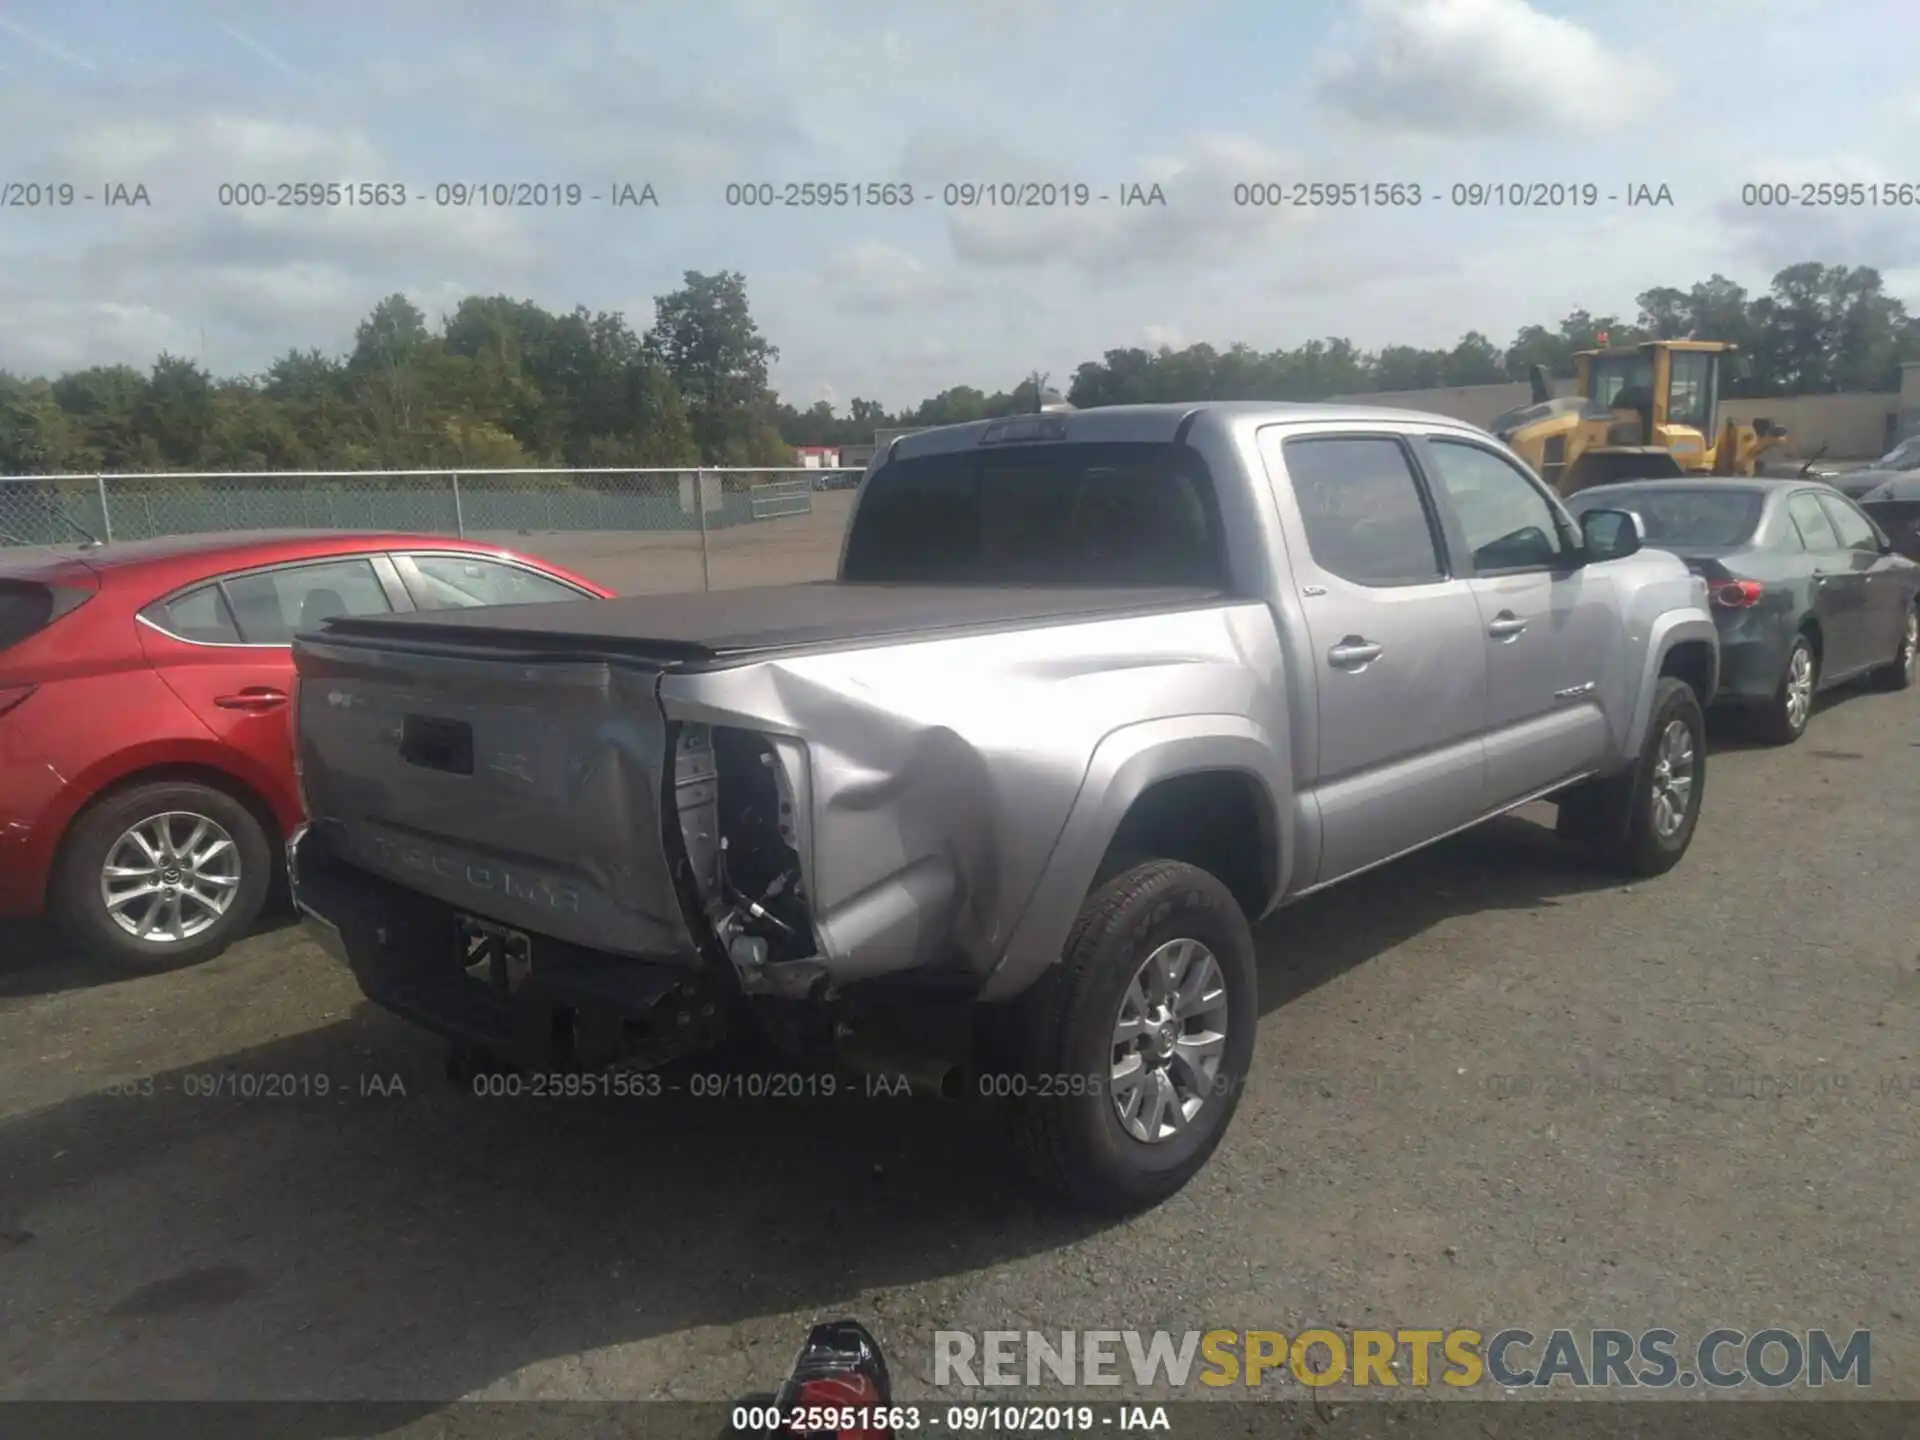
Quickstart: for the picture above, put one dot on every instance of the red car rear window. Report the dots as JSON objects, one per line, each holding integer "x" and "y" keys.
{"x": 25, "y": 610}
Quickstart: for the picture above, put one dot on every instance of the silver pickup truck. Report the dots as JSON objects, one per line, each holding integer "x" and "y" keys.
{"x": 997, "y": 808}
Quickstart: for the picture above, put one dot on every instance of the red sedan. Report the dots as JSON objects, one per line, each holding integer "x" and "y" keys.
{"x": 146, "y": 771}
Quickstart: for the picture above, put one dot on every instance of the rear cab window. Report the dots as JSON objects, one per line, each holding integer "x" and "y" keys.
{"x": 1115, "y": 514}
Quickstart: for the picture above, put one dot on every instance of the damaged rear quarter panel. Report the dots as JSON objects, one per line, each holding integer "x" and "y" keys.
{"x": 940, "y": 773}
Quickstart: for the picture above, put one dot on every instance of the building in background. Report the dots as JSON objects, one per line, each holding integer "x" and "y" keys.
{"x": 817, "y": 457}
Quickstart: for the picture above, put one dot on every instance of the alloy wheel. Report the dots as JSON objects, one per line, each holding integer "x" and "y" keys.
{"x": 1673, "y": 779}
{"x": 1799, "y": 686}
{"x": 1168, "y": 1040}
{"x": 170, "y": 877}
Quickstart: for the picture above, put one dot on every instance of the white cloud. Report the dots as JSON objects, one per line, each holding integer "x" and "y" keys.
{"x": 875, "y": 277}
{"x": 1479, "y": 67}
{"x": 894, "y": 306}
{"x": 697, "y": 127}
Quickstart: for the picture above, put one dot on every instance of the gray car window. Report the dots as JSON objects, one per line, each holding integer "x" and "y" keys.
{"x": 1362, "y": 510}
{"x": 1856, "y": 532}
{"x": 1509, "y": 524}
{"x": 1811, "y": 521}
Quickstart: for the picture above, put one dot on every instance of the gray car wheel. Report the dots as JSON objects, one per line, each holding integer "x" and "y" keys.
{"x": 1898, "y": 675}
{"x": 1784, "y": 720}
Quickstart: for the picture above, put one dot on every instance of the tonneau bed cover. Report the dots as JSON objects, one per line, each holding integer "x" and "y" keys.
{"x": 729, "y": 624}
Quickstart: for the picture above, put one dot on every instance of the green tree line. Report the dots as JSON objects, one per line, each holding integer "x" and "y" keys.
{"x": 504, "y": 383}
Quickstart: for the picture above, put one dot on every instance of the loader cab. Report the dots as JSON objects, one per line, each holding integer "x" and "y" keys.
{"x": 1663, "y": 393}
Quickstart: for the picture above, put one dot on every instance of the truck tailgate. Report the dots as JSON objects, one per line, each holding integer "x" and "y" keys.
{"x": 515, "y": 787}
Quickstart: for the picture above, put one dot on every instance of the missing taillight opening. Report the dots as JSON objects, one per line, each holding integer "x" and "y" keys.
{"x": 1737, "y": 594}
{"x": 737, "y": 824}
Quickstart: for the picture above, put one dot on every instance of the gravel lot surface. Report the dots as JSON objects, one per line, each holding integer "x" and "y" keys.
{"x": 1491, "y": 1090}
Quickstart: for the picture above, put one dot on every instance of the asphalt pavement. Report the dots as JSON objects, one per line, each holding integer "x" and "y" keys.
{"x": 1491, "y": 1089}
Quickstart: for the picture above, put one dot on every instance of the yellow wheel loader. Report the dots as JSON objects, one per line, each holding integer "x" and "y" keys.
{"x": 1642, "y": 411}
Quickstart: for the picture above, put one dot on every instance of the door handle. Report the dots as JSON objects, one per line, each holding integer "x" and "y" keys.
{"x": 1354, "y": 652}
{"x": 1506, "y": 626}
{"x": 254, "y": 700}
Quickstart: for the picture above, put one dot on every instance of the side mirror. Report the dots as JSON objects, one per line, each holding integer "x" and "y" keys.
{"x": 1611, "y": 534}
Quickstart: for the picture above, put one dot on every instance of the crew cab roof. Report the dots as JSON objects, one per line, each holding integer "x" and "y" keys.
{"x": 1149, "y": 424}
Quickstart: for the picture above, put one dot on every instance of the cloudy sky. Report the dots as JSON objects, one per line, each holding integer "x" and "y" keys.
{"x": 894, "y": 304}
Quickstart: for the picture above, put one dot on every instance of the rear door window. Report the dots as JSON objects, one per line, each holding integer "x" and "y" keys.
{"x": 1856, "y": 532}
{"x": 1816, "y": 531}
{"x": 274, "y": 605}
{"x": 1362, "y": 510}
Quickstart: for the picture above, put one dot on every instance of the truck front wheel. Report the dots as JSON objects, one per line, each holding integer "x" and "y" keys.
{"x": 1139, "y": 1041}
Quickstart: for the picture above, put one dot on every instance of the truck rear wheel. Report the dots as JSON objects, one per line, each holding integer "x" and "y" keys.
{"x": 1139, "y": 1041}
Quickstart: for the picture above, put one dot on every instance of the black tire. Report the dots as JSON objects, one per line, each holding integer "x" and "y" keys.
{"x": 1074, "y": 1142}
{"x": 1774, "y": 722}
{"x": 1616, "y": 817}
{"x": 1898, "y": 675}
{"x": 80, "y": 909}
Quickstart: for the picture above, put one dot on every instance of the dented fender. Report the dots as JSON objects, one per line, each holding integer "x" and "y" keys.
{"x": 933, "y": 781}
{"x": 1128, "y": 763}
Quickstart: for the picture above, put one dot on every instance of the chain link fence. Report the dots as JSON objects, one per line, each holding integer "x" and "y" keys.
{"x": 678, "y": 509}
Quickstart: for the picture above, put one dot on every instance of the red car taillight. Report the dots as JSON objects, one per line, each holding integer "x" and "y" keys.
{"x": 1737, "y": 594}
{"x": 12, "y": 695}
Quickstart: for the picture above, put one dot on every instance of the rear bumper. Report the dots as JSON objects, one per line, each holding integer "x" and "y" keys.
{"x": 31, "y": 821}
{"x": 1750, "y": 669}
{"x": 573, "y": 1009}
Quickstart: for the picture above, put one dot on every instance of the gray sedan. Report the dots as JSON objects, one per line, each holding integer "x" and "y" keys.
{"x": 1807, "y": 590}
{"x": 1903, "y": 459}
